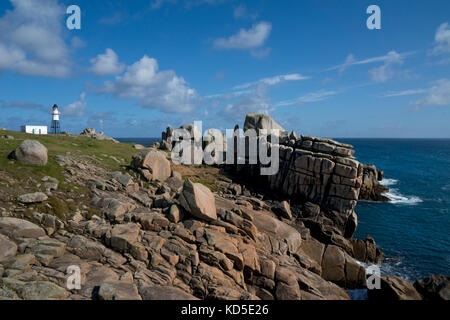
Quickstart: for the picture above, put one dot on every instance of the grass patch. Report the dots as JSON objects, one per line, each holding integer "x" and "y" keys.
{"x": 27, "y": 178}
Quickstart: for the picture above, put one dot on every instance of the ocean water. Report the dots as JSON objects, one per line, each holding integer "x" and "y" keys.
{"x": 414, "y": 228}
{"x": 144, "y": 141}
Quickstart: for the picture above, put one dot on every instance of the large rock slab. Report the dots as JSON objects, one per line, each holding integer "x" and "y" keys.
{"x": 394, "y": 289}
{"x": 18, "y": 228}
{"x": 31, "y": 152}
{"x": 276, "y": 229}
{"x": 434, "y": 287}
{"x": 43, "y": 290}
{"x": 155, "y": 161}
{"x": 340, "y": 268}
{"x": 29, "y": 198}
{"x": 123, "y": 236}
{"x": 333, "y": 264}
{"x": 260, "y": 121}
{"x": 96, "y": 275}
{"x": 198, "y": 200}
{"x": 7, "y": 248}
{"x": 118, "y": 290}
{"x": 164, "y": 293}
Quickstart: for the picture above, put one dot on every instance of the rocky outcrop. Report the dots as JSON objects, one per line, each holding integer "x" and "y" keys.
{"x": 371, "y": 188}
{"x": 167, "y": 139}
{"x": 322, "y": 172}
{"x": 434, "y": 287}
{"x": 394, "y": 289}
{"x": 367, "y": 251}
{"x": 91, "y": 133}
{"x": 149, "y": 233}
{"x": 322, "y": 181}
{"x": 30, "y": 152}
{"x": 259, "y": 122}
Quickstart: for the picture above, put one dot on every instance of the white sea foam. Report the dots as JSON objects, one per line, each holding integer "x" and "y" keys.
{"x": 396, "y": 197}
{"x": 388, "y": 182}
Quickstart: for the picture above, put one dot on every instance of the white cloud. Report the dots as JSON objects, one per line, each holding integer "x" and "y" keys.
{"x": 270, "y": 81}
{"x": 249, "y": 97}
{"x": 107, "y": 64}
{"x": 308, "y": 98}
{"x": 228, "y": 95}
{"x": 257, "y": 101}
{"x": 386, "y": 71}
{"x": 403, "y": 93}
{"x": 437, "y": 95}
{"x": 155, "y": 89}
{"x": 252, "y": 38}
{"x": 348, "y": 62}
{"x": 442, "y": 39}
{"x": 77, "y": 108}
{"x": 351, "y": 60}
{"x": 31, "y": 41}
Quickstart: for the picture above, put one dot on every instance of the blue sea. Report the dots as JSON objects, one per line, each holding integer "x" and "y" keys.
{"x": 414, "y": 228}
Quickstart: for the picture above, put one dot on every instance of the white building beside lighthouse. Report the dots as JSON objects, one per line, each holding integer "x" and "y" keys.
{"x": 34, "y": 129}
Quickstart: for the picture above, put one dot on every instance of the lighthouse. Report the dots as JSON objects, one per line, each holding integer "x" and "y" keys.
{"x": 55, "y": 128}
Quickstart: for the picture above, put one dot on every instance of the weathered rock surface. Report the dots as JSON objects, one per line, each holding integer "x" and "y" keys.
{"x": 340, "y": 268}
{"x": 261, "y": 121}
{"x": 91, "y": 133}
{"x": 393, "y": 289}
{"x": 31, "y": 152}
{"x": 164, "y": 293}
{"x": 7, "y": 248}
{"x": 42, "y": 290}
{"x": 366, "y": 251}
{"x": 32, "y": 198}
{"x": 118, "y": 290}
{"x": 434, "y": 287}
{"x": 154, "y": 161}
{"x": 371, "y": 188}
{"x": 198, "y": 200}
{"x": 146, "y": 234}
{"x": 18, "y": 228}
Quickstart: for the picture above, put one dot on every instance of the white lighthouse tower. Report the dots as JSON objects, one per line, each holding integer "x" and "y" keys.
{"x": 55, "y": 128}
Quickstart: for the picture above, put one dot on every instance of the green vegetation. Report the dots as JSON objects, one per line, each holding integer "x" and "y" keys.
{"x": 17, "y": 178}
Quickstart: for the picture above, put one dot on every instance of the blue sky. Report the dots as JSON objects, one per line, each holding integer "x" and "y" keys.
{"x": 314, "y": 66}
